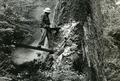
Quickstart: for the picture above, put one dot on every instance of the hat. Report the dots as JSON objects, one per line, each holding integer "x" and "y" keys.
{"x": 47, "y": 10}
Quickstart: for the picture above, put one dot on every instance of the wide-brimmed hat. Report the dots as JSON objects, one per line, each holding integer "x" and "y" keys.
{"x": 48, "y": 10}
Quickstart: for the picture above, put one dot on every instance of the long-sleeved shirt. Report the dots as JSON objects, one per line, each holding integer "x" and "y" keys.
{"x": 44, "y": 20}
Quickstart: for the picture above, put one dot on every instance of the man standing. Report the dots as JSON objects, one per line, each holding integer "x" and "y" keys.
{"x": 45, "y": 34}
{"x": 45, "y": 26}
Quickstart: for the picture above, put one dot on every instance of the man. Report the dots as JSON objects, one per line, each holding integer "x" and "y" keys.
{"x": 45, "y": 21}
{"x": 45, "y": 26}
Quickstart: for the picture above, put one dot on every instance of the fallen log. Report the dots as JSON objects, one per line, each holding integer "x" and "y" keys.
{"x": 35, "y": 48}
{"x": 7, "y": 29}
{"x": 5, "y": 78}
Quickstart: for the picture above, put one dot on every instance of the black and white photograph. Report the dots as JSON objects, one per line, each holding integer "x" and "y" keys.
{"x": 59, "y": 40}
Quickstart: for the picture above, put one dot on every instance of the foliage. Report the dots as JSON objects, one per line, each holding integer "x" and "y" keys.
{"x": 13, "y": 30}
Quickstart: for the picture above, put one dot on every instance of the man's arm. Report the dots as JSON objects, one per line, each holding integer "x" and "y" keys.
{"x": 41, "y": 23}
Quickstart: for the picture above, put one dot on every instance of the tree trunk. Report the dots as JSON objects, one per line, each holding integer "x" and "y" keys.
{"x": 89, "y": 29}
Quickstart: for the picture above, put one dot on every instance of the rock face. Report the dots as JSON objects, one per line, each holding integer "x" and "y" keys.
{"x": 88, "y": 55}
